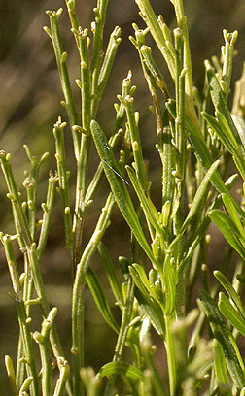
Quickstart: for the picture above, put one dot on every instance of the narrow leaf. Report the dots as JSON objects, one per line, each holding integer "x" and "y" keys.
{"x": 11, "y": 373}
{"x": 231, "y": 314}
{"x": 220, "y": 368}
{"x": 139, "y": 274}
{"x": 233, "y": 215}
{"x": 169, "y": 276}
{"x": 118, "y": 187}
{"x": 149, "y": 208}
{"x": 140, "y": 280}
{"x": 231, "y": 291}
{"x": 229, "y": 230}
{"x": 111, "y": 273}
{"x": 222, "y": 334}
{"x": 121, "y": 368}
{"x": 100, "y": 299}
{"x": 142, "y": 275}
{"x": 153, "y": 313}
{"x": 227, "y": 140}
{"x": 199, "y": 194}
{"x": 148, "y": 303}
{"x": 203, "y": 155}
{"x": 220, "y": 105}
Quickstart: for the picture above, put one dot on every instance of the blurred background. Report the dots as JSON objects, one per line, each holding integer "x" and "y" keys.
{"x": 29, "y": 106}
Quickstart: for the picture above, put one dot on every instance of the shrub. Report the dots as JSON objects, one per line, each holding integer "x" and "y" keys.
{"x": 197, "y": 136}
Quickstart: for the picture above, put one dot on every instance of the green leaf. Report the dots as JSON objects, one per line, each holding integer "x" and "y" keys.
{"x": 121, "y": 368}
{"x": 118, "y": 187}
{"x": 151, "y": 21}
{"x": 233, "y": 215}
{"x": 220, "y": 105}
{"x": 169, "y": 277}
{"x": 231, "y": 291}
{"x": 199, "y": 195}
{"x": 148, "y": 303}
{"x": 220, "y": 369}
{"x": 203, "y": 155}
{"x": 153, "y": 313}
{"x": 146, "y": 286}
{"x": 240, "y": 126}
{"x": 141, "y": 281}
{"x": 100, "y": 299}
{"x": 231, "y": 314}
{"x": 111, "y": 273}
{"x": 105, "y": 70}
{"x": 227, "y": 139}
{"x": 222, "y": 334}
{"x": 139, "y": 272}
{"x": 238, "y": 152}
{"x": 149, "y": 208}
{"x": 229, "y": 230}
{"x": 11, "y": 374}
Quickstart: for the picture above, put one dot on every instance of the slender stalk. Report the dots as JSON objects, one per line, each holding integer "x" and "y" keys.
{"x": 30, "y": 183}
{"x": 70, "y": 4}
{"x": 63, "y": 177}
{"x": 80, "y": 204}
{"x": 182, "y": 23}
{"x": 151, "y": 21}
{"x": 21, "y": 223}
{"x": 61, "y": 56}
{"x": 46, "y": 220}
{"x": 171, "y": 359}
{"x": 25, "y": 332}
{"x": 64, "y": 369}
{"x": 11, "y": 374}
{"x": 126, "y": 315}
{"x": 23, "y": 320}
{"x": 97, "y": 52}
{"x": 78, "y": 294}
{"x": 29, "y": 249}
{"x": 180, "y": 145}
{"x": 230, "y": 39}
{"x": 135, "y": 141}
{"x": 42, "y": 339}
{"x": 113, "y": 142}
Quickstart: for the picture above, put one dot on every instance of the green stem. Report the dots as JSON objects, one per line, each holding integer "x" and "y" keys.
{"x": 61, "y": 56}
{"x": 28, "y": 346}
{"x": 45, "y": 351}
{"x": 126, "y": 315}
{"x": 114, "y": 42}
{"x": 128, "y": 103}
{"x": 180, "y": 145}
{"x": 182, "y": 23}
{"x": 169, "y": 345}
{"x": 64, "y": 370}
{"x": 152, "y": 22}
{"x": 230, "y": 39}
{"x": 97, "y": 53}
{"x": 80, "y": 204}
{"x": 21, "y": 223}
{"x": 63, "y": 176}
{"x": 30, "y": 183}
{"x": 82, "y": 161}
{"x": 78, "y": 294}
{"x": 113, "y": 142}
{"x": 72, "y": 13}
{"x": 46, "y": 220}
